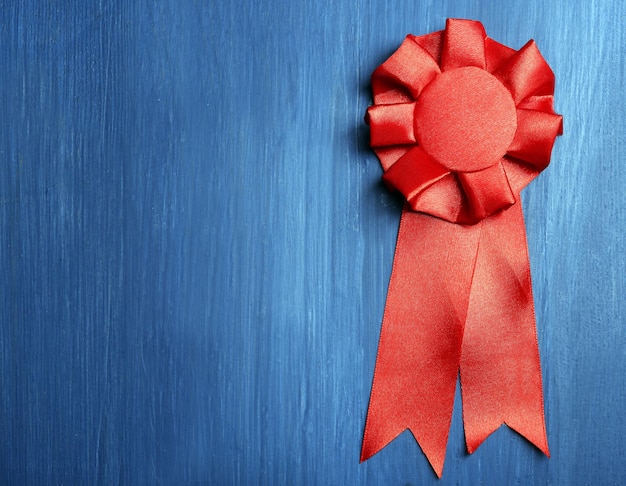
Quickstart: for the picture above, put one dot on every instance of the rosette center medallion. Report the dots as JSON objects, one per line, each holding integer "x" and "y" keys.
{"x": 465, "y": 119}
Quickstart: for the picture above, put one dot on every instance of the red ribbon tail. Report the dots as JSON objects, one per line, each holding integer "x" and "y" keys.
{"x": 420, "y": 342}
{"x": 459, "y": 297}
{"x": 500, "y": 367}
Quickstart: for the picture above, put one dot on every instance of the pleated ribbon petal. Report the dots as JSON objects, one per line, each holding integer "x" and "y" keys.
{"x": 461, "y": 124}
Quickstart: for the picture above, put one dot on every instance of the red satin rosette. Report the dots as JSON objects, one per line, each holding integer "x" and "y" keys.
{"x": 461, "y": 124}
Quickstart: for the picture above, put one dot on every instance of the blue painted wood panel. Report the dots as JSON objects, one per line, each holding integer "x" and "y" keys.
{"x": 195, "y": 245}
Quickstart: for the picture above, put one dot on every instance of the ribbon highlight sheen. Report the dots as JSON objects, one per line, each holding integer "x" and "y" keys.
{"x": 461, "y": 124}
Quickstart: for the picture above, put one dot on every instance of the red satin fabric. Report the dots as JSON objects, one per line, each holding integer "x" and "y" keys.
{"x": 460, "y": 124}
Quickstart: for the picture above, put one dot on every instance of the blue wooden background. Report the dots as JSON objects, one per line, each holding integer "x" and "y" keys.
{"x": 195, "y": 246}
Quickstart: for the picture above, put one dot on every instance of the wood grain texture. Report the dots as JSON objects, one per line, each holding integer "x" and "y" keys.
{"x": 196, "y": 246}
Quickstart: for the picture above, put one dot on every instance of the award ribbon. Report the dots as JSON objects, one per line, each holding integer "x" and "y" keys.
{"x": 461, "y": 124}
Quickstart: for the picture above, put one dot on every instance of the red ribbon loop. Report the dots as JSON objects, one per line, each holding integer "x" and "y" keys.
{"x": 461, "y": 124}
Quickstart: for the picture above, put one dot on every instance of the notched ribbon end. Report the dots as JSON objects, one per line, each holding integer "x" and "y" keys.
{"x": 435, "y": 454}
{"x": 538, "y": 440}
